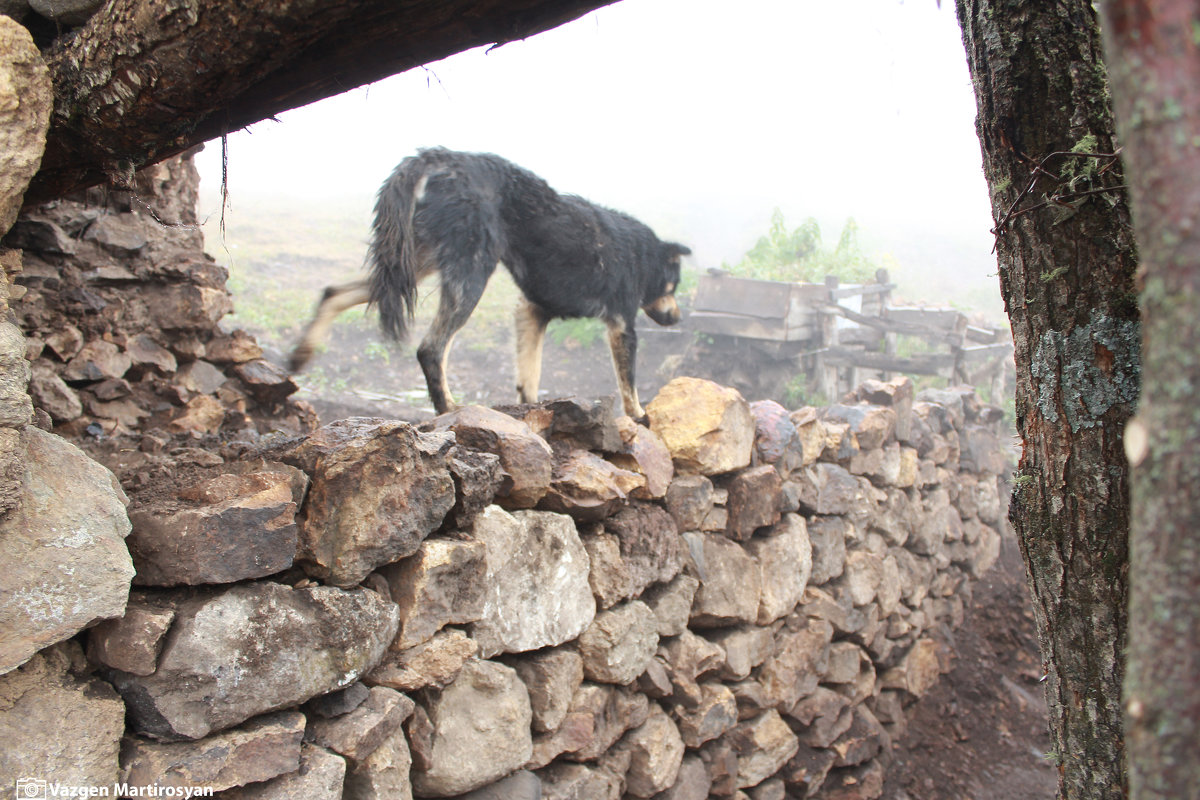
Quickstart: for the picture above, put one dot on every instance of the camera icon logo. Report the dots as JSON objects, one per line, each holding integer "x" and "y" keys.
{"x": 30, "y": 788}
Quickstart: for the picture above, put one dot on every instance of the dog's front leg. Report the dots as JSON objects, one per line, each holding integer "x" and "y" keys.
{"x": 622, "y": 341}
{"x": 531, "y": 334}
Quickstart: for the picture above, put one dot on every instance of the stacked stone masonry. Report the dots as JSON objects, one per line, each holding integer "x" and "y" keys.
{"x": 121, "y": 311}
{"x": 534, "y": 602}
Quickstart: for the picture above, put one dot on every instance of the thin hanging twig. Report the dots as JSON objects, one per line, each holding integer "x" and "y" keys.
{"x": 1058, "y": 198}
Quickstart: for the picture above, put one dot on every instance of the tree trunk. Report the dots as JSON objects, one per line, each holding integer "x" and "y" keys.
{"x": 144, "y": 79}
{"x": 1066, "y": 255}
{"x": 1156, "y": 91}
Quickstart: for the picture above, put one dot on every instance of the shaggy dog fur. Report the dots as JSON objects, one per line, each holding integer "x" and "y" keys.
{"x": 460, "y": 214}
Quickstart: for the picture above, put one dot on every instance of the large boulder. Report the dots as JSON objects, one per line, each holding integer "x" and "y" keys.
{"x": 754, "y": 496}
{"x": 480, "y": 731}
{"x": 707, "y": 428}
{"x": 645, "y": 454}
{"x": 730, "y": 585}
{"x": 651, "y": 549}
{"x": 537, "y": 591}
{"x": 655, "y": 751}
{"x": 587, "y": 487}
{"x": 261, "y": 749}
{"x": 378, "y": 489}
{"x": 525, "y": 457}
{"x": 26, "y": 99}
{"x": 784, "y": 561}
{"x": 618, "y": 645}
{"x": 441, "y": 584}
{"x": 66, "y": 564}
{"x": 764, "y": 744}
{"x": 255, "y": 648}
{"x": 319, "y": 777}
{"x": 224, "y": 528}
{"x": 57, "y": 726}
{"x": 552, "y": 678}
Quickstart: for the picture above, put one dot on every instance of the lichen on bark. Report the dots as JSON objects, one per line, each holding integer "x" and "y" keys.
{"x": 1091, "y": 369}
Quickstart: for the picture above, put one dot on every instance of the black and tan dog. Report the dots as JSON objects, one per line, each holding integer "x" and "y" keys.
{"x": 460, "y": 214}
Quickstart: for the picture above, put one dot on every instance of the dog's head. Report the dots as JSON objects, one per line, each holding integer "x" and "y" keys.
{"x": 659, "y": 300}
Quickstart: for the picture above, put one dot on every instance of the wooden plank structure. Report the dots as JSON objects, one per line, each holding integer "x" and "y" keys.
{"x": 837, "y": 335}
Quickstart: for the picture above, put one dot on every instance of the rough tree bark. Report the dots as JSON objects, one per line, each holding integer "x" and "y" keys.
{"x": 1066, "y": 253}
{"x": 1154, "y": 60}
{"x": 144, "y": 79}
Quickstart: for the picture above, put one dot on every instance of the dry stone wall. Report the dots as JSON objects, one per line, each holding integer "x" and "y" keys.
{"x": 121, "y": 311}
{"x": 534, "y": 602}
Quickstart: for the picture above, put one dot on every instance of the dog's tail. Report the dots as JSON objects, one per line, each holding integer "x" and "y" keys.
{"x": 392, "y": 256}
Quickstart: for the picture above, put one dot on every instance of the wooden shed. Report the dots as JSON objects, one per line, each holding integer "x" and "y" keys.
{"x": 759, "y": 334}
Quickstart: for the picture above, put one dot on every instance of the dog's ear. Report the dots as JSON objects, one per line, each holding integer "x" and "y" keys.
{"x": 678, "y": 249}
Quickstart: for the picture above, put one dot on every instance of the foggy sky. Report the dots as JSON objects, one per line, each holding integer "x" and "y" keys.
{"x": 698, "y": 116}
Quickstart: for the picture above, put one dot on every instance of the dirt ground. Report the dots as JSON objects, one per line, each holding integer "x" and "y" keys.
{"x": 980, "y": 733}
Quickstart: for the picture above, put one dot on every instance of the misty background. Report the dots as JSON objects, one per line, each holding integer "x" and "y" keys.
{"x": 698, "y": 117}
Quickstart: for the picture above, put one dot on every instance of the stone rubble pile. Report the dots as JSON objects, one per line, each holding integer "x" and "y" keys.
{"x": 534, "y": 602}
{"x": 120, "y": 308}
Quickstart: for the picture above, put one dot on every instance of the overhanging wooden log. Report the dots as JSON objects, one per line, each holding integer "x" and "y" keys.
{"x": 145, "y": 79}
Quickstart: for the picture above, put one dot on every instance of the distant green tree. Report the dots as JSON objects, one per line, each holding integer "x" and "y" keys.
{"x": 799, "y": 255}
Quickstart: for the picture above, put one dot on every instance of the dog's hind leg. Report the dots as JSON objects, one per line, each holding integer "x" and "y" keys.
{"x": 622, "y": 341}
{"x": 531, "y": 333}
{"x": 457, "y": 302}
{"x": 335, "y": 300}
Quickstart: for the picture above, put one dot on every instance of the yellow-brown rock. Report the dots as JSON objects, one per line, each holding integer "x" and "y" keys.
{"x": 707, "y": 428}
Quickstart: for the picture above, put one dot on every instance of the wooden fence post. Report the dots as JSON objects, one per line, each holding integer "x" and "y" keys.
{"x": 890, "y": 338}
{"x": 828, "y": 373}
